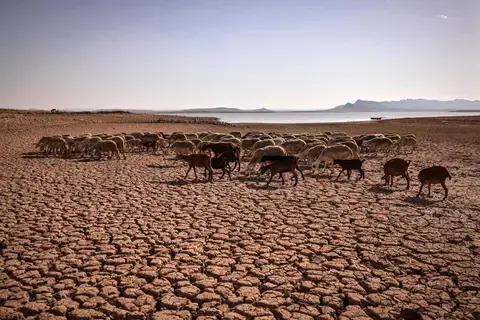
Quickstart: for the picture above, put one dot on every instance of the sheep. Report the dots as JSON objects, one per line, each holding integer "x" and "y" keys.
{"x": 393, "y": 136}
{"x": 406, "y": 142}
{"x": 237, "y": 142}
{"x": 293, "y": 146}
{"x": 209, "y": 137}
{"x": 281, "y": 166}
{"x": 196, "y": 142}
{"x": 176, "y": 136}
{"x": 278, "y": 158}
{"x": 57, "y": 145}
{"x": 378, "y": 144}
{"x": 247, "y": 145}
{"x": 353, "y": 146}
{"x": 133, "y": 143}
{"x": 150, "y": 144}
{"x": 262, "y": 143}
{"x": 120, "y": 142}
{"x": 332, "y": 153}
{"x": 349, "y": 165}
{"x": 220, "y": 136}
{"x": 201, "y": 135}
{"x": 278, "y": 141}
{"x": 265, "y": 151}
{"x": 182, "y": 147}
{"x": 129, "y": 137}
{"x": 396, "y": 167}
{"x": 236, "y": 134}
{"x": 221, "y": 163}
{"x": 191, "y": 136}
{"x": 314, "y": 152}
{"x": 433, "y": 175}
{"x": 153, "y": 140}
{"x": 87, "y": 144}
{"x": 201, "y": 160}
{"x": 108, "y": 146}
{"x": 265, "y": 137}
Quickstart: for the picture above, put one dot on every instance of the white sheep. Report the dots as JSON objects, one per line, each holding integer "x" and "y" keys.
{"x": 265, "y": 151}
{"x": 330, "y": 154}
{"x": 183, "y": 147}
{"x": 406, "y": 142}
{"x": 108, "y": 146}
{"x": 120, "y": 142}
{"x": 262, "y": 143}
{"x": 378, "y": 144}
{"x": 237, "y": 142}
{"x": 294, "y": 146}
{"x": 87, "y": 144}
{"x": 278, "y": 141}
{"x": 133, "y": 144}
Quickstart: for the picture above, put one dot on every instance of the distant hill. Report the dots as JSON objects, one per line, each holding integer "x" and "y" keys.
{"x": 408, "y": 105}
{"x": 219, "y": 110}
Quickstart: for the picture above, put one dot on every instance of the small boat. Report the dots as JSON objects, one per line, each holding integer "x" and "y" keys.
{"x": 376, "y": 118}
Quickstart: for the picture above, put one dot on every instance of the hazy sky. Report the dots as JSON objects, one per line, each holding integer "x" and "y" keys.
{"x": 248, "y": 54}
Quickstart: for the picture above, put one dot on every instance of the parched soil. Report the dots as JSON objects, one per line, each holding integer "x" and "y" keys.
{"x": 131, "y": 239}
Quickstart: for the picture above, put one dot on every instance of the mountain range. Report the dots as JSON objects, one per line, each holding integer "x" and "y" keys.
{"x": 363, "y": 106}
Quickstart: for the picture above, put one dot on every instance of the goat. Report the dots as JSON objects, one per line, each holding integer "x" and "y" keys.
{"x": 281, "y": 166}
{"x": 434, "y": 175}
{"x": 396, "y": 167}
{"x": 349, "y": 165}
{"x": 201, "y": 160}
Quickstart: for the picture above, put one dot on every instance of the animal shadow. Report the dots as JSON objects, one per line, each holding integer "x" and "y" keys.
{"x": 324, "y": 176}
{"x": 380, "y": 189}
{"x": 35, "y": 155}
{"x": 160, "y": 166}
{"x": 89, "y": 160}
{"x": 251, "y": 179}
{"x": 420, "y": 201}
{"x": 181, "y": 182}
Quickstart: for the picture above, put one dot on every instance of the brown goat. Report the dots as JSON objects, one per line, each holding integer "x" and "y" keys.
{"x": 201, "y": 160}
{"x": 396, "y": 167}
{"x": 434, "y": 175}
{"x": 281, "y": 166}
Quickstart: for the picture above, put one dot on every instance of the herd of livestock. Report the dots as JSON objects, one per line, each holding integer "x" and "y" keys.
{"x": 277, "y": 153}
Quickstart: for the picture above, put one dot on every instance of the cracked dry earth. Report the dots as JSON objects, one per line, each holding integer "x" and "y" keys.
{"x": 131, "y": 239}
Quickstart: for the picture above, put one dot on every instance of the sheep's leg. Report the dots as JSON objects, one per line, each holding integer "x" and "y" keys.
{"x": 391, "y": 181}
{"x": 420, "y": 191}
{"x": 408, "y": 180}
{"x": 446, "y": 190}
{"x": 283, "y": 180}
{"x": 211, "y": 175}
{"x": 189, "y": 167}
{"x": 238, "y": 161}
{"x": 429, "y": 190}
{"x": 229, "y": 177}
{"x": 348, "y": 173}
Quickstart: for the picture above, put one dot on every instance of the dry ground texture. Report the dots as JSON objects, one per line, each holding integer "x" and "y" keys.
{"x": 130, "y": 239}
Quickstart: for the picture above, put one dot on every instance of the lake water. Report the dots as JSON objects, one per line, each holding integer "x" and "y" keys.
{"x": 319, "y": 117}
